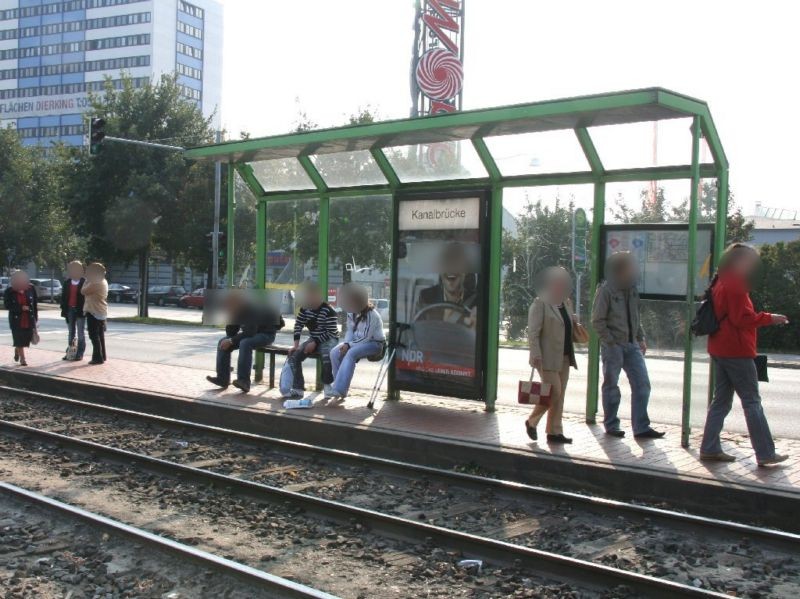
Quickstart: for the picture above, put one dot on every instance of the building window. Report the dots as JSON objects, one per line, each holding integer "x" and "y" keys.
{"x": 190, "y": 51}
{"x": 66, "y": 89}
{"x": 190, "y": 30}
{"x": 191, "y": 9}
{"x": 59, "y": 7}
{"x": 191, "y": 94}
{"x": 188, "y": 71}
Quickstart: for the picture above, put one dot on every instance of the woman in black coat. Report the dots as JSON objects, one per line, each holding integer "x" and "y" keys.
{"x": 22, "y": 304}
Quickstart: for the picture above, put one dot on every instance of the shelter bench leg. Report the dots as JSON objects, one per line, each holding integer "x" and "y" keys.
{"x": 259, "y": 368}
{"x": 272, "y": 371}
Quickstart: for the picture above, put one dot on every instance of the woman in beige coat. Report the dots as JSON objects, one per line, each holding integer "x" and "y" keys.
{"x": 550, "y": 326}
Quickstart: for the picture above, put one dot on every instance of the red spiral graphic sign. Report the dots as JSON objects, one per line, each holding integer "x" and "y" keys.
{"x": 440, "y": 74}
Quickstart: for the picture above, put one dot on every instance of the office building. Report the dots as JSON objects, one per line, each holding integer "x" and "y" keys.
{"x": 54, "y": 52}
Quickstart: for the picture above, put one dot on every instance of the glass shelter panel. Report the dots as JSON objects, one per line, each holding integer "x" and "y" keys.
{"x": 535, "y": 153}
{"x": 284, "y": 174}
{"x": 244, "y": 235}
{"x": 436, "y": 162}
{"x": 292, "y": 246}
{"x": 348, "y": 169}
{"x": 642, "y": 145}
{"x": 538, "y": 234}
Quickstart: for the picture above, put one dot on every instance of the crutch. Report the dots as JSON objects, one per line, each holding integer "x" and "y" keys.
{"x": 385, "y": 365}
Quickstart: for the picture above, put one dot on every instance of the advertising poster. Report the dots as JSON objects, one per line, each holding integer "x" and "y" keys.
{"x": 440, "y": 292}
{"x": 662, "y": 252}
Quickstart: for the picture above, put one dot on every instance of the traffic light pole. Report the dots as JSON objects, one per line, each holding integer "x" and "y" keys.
{"x": 215, "y": 236}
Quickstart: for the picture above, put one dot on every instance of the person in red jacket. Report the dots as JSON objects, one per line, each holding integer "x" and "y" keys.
{"x": 733, "y": 349}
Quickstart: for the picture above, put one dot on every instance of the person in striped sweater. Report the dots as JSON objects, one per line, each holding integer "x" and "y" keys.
{"x": 319, "y": 318}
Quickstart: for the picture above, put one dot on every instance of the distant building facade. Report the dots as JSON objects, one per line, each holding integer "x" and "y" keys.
{"x": 54, "y": 52}
{"x": 773, "y": 225}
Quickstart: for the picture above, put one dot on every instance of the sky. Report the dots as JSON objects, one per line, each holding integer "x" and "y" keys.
{"x": 328, "y": 59}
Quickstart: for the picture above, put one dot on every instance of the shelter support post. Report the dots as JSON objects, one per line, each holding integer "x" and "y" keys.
{"x": 593, "y": 375}
{"x": 691, "y": 273}
{"x": 231, "y": 221}
{"x": 493, "y": 312}
{"x": 261, "y": 264}
{"x": 322, "y": 260}
{"x": 720, "y": 241}
{"x": 495, "y": 269}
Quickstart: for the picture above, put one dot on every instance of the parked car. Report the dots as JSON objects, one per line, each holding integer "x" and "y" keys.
{"x": 382, "y": 306}
{"x": 163, "y": 295}
{"x": 47, "y": 289}
{"x": 130, "y": 295}
{"x": 195, "y": 299}
{"x": 117, "y": 292}
{"x": 4, "y": 282}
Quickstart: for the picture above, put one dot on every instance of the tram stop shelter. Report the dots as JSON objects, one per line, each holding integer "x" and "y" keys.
{"x": 396, "y": 160}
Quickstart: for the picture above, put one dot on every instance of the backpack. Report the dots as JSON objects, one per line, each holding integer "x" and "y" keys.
{"x": 705, "y": 320}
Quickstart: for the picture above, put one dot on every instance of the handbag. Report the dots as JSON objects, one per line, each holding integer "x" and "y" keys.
{"x": 532, "y": 392}
{"x": 579, "y": 334}
{"x": 72, "y": 351}
{"x": 35, "y": 336}
{"x": 761, "y": 368}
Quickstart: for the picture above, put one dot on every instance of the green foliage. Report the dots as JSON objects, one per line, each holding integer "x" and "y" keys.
{"x": 130, "y": 199}
{"x": 542, "y": 239}
{"x": 777, "y": 290}
{"x": 35, "y": 226}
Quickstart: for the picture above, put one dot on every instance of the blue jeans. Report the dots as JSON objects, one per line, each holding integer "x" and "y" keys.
{"x": 739, "y": 375}
{"x": 345, "y": 367}
{"x": 627, "y": 357}
{"x": 76, "y": 325}
{"x": 245, "y": 362}
{"x": 295, "y": 362}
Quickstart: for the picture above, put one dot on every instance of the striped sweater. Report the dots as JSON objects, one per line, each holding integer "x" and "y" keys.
{"x": 321, "y": 323}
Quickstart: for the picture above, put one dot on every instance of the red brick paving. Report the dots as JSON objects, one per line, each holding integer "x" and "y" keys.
{"x": 449, "y": 418}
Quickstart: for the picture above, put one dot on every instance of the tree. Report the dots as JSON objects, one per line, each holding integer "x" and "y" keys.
{"x": 36, "y": 227}
{"x": 542, "y": 239}
{"x": 777, "y": 289}
{"x": 132, "y": 199}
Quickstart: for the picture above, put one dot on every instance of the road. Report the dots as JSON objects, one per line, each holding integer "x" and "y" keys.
{"x": 192, "y": 347}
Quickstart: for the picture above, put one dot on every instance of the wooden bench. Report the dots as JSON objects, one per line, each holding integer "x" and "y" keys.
{"x": 272, "y": 351}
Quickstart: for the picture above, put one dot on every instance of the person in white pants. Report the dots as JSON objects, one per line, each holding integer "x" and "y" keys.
{"x": 364, "y": 338}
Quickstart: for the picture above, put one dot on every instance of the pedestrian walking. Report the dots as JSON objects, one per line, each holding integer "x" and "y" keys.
{"x": 20, "y": 299}
{"x": 551, "y": 323}
{"x": 733, "y": 350}
{"x": 72, "y": 301}
{"x": 95, "y": 307}
{"x": 617, "y": 320}
{"x": 364, "y": 338}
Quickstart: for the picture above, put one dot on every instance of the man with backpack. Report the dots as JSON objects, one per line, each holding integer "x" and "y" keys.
{"x": 731, "y": 322}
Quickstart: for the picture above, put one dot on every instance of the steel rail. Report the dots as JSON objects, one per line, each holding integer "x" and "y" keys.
{"x": 275, "y": 585}
{"x": 472, "y": 481}
{"x": 549, "y": 564}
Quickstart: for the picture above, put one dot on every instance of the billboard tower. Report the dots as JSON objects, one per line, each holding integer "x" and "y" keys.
{"x": 437, "y": 67}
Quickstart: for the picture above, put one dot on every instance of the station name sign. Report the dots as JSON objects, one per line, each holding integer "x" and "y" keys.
{"x": 43, "y": 106}
{"x": 428, "y": 215}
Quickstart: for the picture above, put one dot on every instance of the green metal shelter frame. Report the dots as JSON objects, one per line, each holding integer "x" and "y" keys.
{"x": 474, "y": 127}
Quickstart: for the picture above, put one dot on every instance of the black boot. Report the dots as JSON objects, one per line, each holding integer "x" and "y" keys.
{"x": 531, "y": 431}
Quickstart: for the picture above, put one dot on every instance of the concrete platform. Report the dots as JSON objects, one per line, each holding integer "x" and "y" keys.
{"x": 448, "y": 433}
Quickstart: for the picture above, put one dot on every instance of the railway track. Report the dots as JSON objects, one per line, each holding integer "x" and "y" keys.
{"x": 499, "y": 522}
{"x": 272, "y": 586}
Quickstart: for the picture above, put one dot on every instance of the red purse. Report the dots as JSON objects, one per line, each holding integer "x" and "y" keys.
{"x": 532, "y": 392}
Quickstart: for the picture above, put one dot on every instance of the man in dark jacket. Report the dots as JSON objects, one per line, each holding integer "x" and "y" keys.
{"x": 617, "y": 321}
{"x": 72, "y": 307}
{"x": 251, "y": 325}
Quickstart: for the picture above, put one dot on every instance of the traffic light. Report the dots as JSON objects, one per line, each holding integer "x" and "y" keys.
{"x": 97, "y": 134}
{"x": 223, "y": 244}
